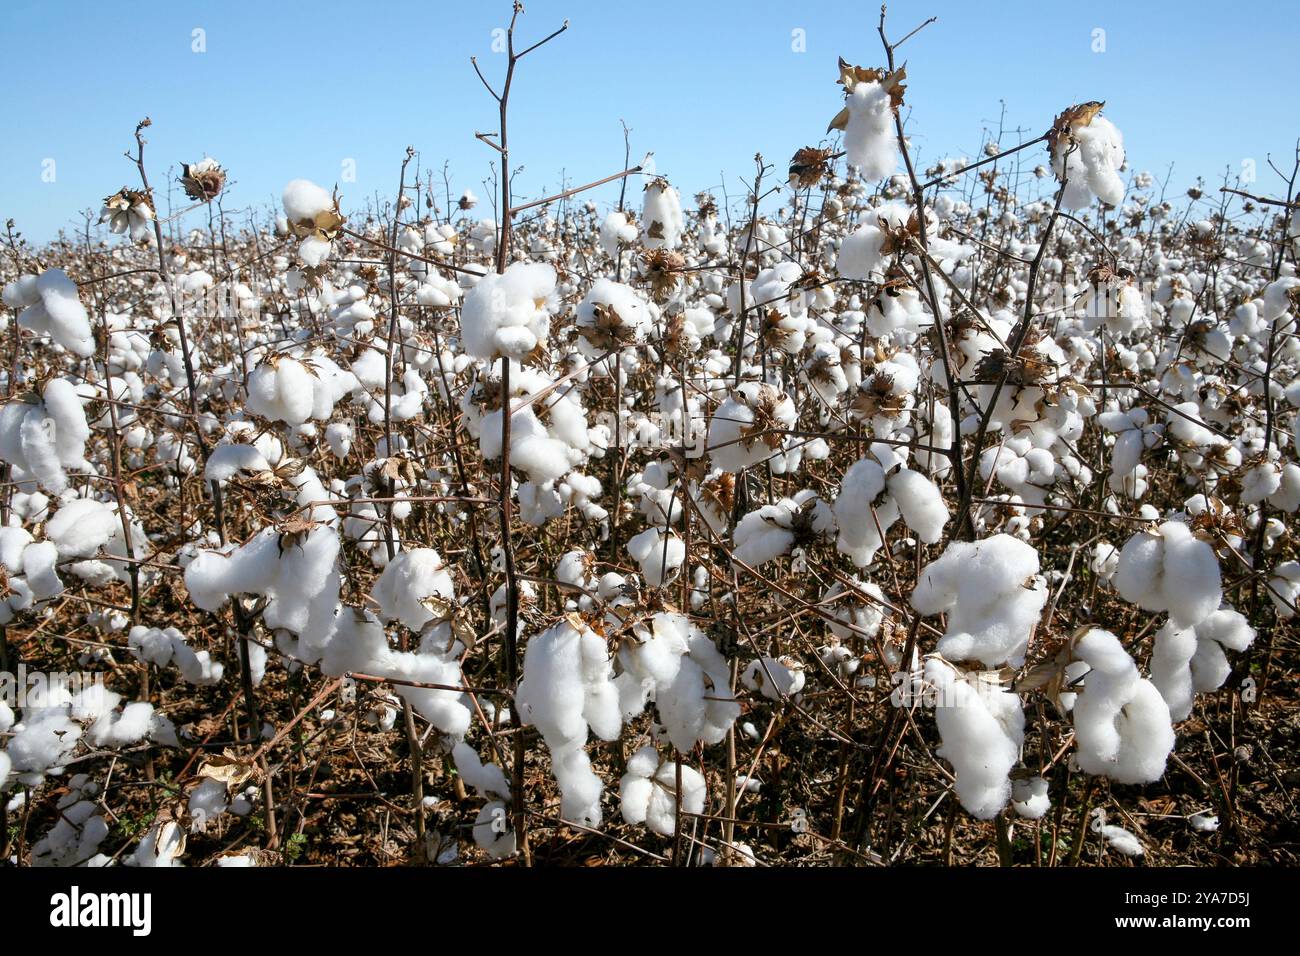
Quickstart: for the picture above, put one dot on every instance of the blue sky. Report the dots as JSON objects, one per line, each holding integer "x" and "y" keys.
{"x": 288, "y": 90}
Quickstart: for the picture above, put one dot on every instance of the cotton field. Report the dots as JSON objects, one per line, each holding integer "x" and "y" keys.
{"x": 888, "y": 512}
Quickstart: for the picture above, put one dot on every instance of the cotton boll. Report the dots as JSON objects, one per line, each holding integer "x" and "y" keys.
{"x": 1122, "y": 724}
{"x": 921, "y": 504}
{"x": 507, "y": 314}
{"x": 861, "y": 612}
{"x": 775, "y": 679}
{"x": 1117, "y": 838}
{"x": 648, "y": 792}
{"x": 745, "y": 428}
{"x": 407, "y": 582}
{"x": 1088, "y": 160}
{"x": 982, "y": 727}
{"x": 661, "y": 216}
{"x": 161, "y": 847}
{"x": 492, "y": 832}
{"x": 869, "y": 136}
{"x": 58, "y": 312}
{"x": 1170, "y": 570}
{"x": 992, "y": 595}
{"x": 660, "y": 554}
{"x": 1029, "y": 797}
{"x": 674, "y": 664}
{"x": 860, "y": 491}
{"x": 81, "y": 527}
{"x": 1284, "y": 589}
{"x": 1204, "y": 822}
{"x": 567, "y": 687}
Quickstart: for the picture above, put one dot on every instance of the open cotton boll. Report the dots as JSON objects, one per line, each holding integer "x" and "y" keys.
{"x": 1029, "y": 797}
{"x": 981, "y": 726}
{"x": 992, "y": 594}
{"x": 610, "y": 315}
{"x": 304, "y": 203}
{"x": 861, "y": 611}
{"x": 1122, "y": 726}
{"x": 507, "y": 313}
{"x": 1186, "y": 661}
{"x": 161, "y": 847}
{"x": 45, "y": 437}
{"x": 81, "y": 527}
{"x": 567, "y": 688}
{"x": 492, "y": 832}
{"x": 1171, "y": 570}
{"x": 408, "y": 581}
{"x": 861, "y": 514}
{"x": 661, "y": 216}
{"x": 776, "y": 679}
{"x": 615, "y": 230}
{"x": 164, "y": 646}
{"x": 659, "y": 553}
{"x": 920, "y": 502}
{"x": 769, "y": 532}
{"x": 648, "y": 792}
{"x": 1088, "y": 160}
{"x": 1117, "y": 838}
{"x": 1284, "y": 589}
{"x": 674, "y": 664}
{"x": 56, "y": 310}
{"x": 870, "y": 141}
{"x": 485, "y": 779}
{"x": 745, "y": 429}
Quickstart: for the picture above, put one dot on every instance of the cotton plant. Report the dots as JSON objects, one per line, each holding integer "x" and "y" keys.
{"x": 747, "y": 428}
{"x": 872, "y": 98}
{"x": 772, "y": 530}
{"x": 313, "y": 215}
{"x": 661, "y": 216}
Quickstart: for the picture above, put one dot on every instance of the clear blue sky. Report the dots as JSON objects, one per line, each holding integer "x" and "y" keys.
{"x": 288, "y": 90}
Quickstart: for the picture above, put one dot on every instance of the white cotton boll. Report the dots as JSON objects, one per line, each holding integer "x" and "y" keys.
{"x": 5, "y": 769}
{"x": 507, "y": 314}
{"x": 1204, "y": 822}
{"x": 921, "y": 504}
{"x": 859, "y": 256}
{"x": 674, "y": 664}
{"x": 860, "y": 492}
{"x": 567, "y": 688}
{"x": 615, "y": 230}
{"x": 208, "y": 801}
{"x": 64, "y": 406}
{"x": 408, "y": 580}
{"x": 161, "y": 847}
{"x": 775, "y": 679}
{"x": 659, "y": 554}
{"x": 47, "y": 740}
{"x": 982, "y": 727}
{"x": 1284, "y": 589}
{"x": 734, "y": 439}
{"x": 1029, "y": 797}
{"x": 992, "y": 594}
{"x": 1090, "y": 168}
{"x": 661, "y": 216}
{"x": 81, "y": 527}
{"x": 1187, "y": 426}
{"x": 1170, "y": 570}
{"x": 303, "y": 201}
{"x": 648, "y": 792}
{"x": 1192, "y": 660}
{"x": 231, "y": 459}
{"x": 859, "y": 615}
{"x": 869, "y": 138}
{"x": 1122, "y": 724}
{"x": 1117, "y": 838}
{"x": 492, "y": 831}
{"x": 39, "y": 568}
{"x": 485, "y": 779}
{"x": 1286, "y": 497}
{"x": 59, "y": 313}
{"x": 338, "y": 435}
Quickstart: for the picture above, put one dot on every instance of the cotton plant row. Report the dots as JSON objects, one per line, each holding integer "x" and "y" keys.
{"x": 853, "y": 421}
